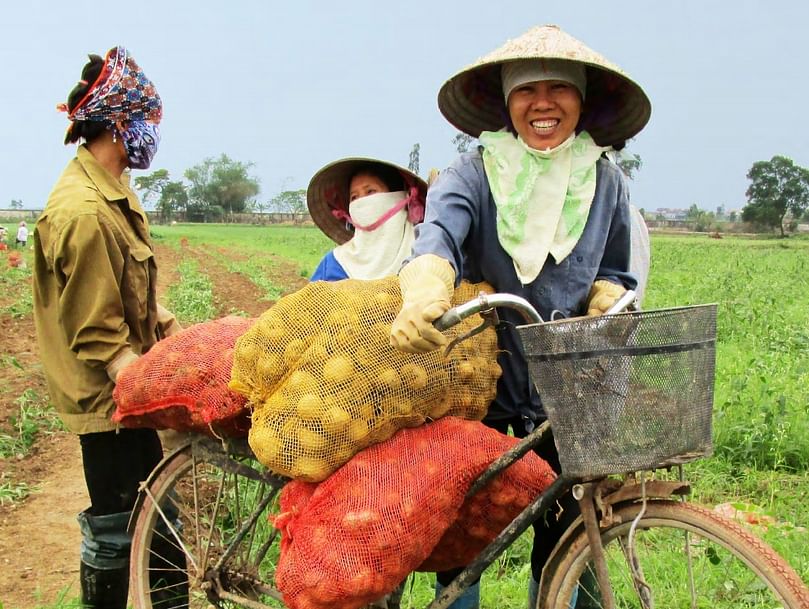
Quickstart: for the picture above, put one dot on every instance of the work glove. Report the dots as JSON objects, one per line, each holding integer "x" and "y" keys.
{"x": 426, "y": 282}
{"x": 602, "y": 296}
{"x": 119, "y": 362}
{"x": 166, "y": 322}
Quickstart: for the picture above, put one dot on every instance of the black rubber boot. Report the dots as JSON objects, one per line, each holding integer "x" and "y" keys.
{"x": 103, "y": 588}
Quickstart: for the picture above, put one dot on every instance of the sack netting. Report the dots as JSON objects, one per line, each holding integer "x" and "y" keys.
{"x": 488, "y": 512}
{"x": 181, "y": 383}
{"x": 324, "y": 382}
{"x": 354, "y": 537}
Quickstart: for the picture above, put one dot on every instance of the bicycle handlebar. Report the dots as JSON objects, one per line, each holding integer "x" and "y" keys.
{"x": 486, "y": 302}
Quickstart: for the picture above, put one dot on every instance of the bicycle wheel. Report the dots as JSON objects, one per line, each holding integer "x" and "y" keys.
{"x": 688, "y": 556}
{"x": 202, "y": 537}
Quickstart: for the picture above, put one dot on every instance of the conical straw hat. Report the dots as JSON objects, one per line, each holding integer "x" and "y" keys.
{"x": 615, "y": 107}
{"x": 328, "y": 192}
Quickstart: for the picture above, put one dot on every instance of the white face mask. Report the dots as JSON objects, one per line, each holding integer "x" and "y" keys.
{"x": 377, "y": 251}
{"x": 367, "y": 210}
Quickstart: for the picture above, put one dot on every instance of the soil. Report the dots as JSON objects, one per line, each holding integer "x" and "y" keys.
{"x": 39, "y": 536}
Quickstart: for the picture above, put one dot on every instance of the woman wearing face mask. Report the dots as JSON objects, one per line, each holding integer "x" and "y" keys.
{"x": 95, "y": 306}
{"x": 538, "y": 211}
{"x": 370, "y": 208}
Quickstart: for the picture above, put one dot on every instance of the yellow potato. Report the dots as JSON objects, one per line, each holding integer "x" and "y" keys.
{"x": 338, "y": 369}
{"x": 301, "y": 381}
{"x": 384, "y": 301}
{"x": 339, "y": 319}
{"x": 336, "y": 420}
{"x": 466, "y": 370}
{"x": 293, "y": 351}
{"x": 389, "y": 380}
{"x": 310, "y": 407}
{"x": 439, "y": 408}
{"x": 311, "y": 442}
{"x": 357, "y": 430}
{"x": 362, "y": 410}
{"x": 311, "y": 469}
{"x": 269, "y": 368}
{"x": 317, "y": 350}
{"x": 359, "y": 389}
{"x": 275, "y": 335}
{"x": 414, "y": 377}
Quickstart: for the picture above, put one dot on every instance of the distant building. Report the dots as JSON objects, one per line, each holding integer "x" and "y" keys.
{"x": 667, "y": 213}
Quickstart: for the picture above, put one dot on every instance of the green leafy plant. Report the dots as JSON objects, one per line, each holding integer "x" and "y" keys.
{"x": 191, "y": 299}
{"x": 34, "y": 417}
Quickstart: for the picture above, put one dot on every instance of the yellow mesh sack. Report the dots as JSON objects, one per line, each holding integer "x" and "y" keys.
{"x": 324, "y": 382}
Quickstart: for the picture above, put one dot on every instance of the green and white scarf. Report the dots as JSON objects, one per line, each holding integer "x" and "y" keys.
{"x": 543, "y": 197}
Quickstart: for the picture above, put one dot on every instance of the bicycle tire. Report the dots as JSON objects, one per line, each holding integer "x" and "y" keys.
{"x": 734, "y": 567}
{"x": 195, "y": 500}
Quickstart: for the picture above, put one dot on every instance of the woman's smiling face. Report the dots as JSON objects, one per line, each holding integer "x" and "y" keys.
{"x": 545, "y": 113}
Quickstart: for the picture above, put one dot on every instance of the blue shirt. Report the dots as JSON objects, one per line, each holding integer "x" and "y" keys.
{"x": 460, "y": 225}
{"x": 329, "y": 269}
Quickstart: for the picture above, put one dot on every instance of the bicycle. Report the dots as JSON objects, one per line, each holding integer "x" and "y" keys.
{"x": 649, "y": 375}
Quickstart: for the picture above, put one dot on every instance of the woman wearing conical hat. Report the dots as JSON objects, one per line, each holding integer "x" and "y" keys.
{"x": 369, "y": 208}
{"x": 538, "y": 211}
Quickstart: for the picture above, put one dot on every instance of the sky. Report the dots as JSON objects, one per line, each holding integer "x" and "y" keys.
{"x": 291, "y": 86}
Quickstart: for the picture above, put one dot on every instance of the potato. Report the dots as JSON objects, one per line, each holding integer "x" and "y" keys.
{"x": 311, "y": 442}
{"x": 269, "y": 368}
{"x": 338, "y": 369}
{"x": 357, "y": 430}
{"x": 310, "y": 407}
{"x": 311, "y": 469}
{"x": 336, "y": 420}
{"x": 293, "y": 351}
{"x": 301, "y": 381}
{"x": 388, "y": 380}
{"x": 414, "y": 377}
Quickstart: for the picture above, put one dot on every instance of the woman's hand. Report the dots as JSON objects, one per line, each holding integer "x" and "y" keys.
{"x": 426, "y": 284}
{"x": 413, "y": 329}
{"x": 119, "y": 362}
{"x": 602, "y": 296}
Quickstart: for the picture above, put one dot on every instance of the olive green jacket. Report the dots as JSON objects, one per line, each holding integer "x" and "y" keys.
{"x": 94, "y": 289}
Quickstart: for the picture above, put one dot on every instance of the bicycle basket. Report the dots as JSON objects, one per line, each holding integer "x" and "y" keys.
{"x": 626, "y": 392}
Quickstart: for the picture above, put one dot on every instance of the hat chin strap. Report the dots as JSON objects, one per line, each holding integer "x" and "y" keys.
{"x": 340, "y": 214}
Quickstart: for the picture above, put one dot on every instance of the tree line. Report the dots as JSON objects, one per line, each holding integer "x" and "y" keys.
{"x": 777, "y": 197}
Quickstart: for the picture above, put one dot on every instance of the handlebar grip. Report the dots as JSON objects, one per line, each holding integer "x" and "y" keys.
{"x": 626, "y": 299}
{"x": 448, "y": 319}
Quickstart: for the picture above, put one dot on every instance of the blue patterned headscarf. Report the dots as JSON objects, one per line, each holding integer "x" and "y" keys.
{"x": 122, "y": 92}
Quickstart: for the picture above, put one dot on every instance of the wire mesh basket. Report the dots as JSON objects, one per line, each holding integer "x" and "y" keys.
{"x": 626, "y": 392}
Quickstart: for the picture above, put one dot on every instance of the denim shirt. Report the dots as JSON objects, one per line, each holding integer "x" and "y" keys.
{"x": 460, "y": 225}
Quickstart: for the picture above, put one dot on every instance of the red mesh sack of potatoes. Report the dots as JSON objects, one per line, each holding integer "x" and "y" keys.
{"x": 324, "y": 381}
{"x": 182, "y": 382}
{"x": 488, "y": 512}
{"x": 351, "y": 539}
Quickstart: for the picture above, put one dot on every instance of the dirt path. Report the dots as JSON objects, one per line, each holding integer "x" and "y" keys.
{"x": 39, "y": 537}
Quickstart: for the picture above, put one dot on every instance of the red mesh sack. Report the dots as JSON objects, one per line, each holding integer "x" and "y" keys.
{"x": 351, "y": 539}
{"x": 487, "y": 513}
{"x": 182, "y": 382}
